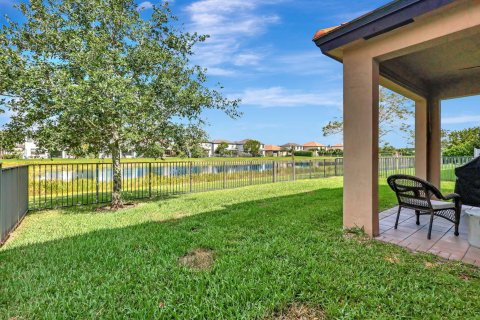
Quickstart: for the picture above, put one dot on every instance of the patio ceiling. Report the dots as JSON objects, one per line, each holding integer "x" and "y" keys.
{"x": 442, "y": 65}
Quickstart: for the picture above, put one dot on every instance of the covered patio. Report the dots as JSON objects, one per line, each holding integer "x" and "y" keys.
{"x": 426, "y": 50}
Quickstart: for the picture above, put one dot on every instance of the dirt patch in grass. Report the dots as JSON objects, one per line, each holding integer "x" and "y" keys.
{"x": 433, "y": 265}
{"x": 392, "y": 258}
{"x": 128, "y": 205}
{"x": 198, "y": 259}
{"x": 299, "y": 311}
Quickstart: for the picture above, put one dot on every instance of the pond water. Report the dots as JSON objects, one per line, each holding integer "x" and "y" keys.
{"x": 139, "y": 170}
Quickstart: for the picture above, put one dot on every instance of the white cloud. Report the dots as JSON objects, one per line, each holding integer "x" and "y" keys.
{"x": 229, "y": 23}
{"x": 247, "y": 59}
{"x": 215, "y": 71}
{"x": 305, "y": 63}
{"x": 461, "y": 119}
{"x": 145, "y": 5}
{"x": 275, "y": 97}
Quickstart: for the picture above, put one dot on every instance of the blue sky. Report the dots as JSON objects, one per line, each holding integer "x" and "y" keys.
{"x": 261, "y": 51}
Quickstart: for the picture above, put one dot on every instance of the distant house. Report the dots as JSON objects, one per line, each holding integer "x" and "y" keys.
{"x": 338, "y": 146}
{"x": 289, "y": 146}
{"x": 240, "y": 144}
{"x": 234, "y": 147}
{"x": 273, "y": 150}
{"x": 31, "y": 150}
{"x": 312, "y": 145}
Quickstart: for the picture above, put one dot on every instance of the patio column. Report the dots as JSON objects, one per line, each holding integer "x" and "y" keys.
{"x": 421, "y": 143}
{"x": 434, "y": 140}
{"x": 360, "y": 114}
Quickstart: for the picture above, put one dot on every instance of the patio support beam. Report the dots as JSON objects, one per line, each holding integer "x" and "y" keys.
{"x": 361, "y": 95}
{"x": 434, "y": 140}
{"x": 421, "y": 143}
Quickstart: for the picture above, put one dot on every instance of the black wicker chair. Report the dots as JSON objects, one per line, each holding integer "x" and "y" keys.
{"x": 415, "y": 193}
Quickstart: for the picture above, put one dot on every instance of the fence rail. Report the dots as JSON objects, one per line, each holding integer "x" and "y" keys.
{"x": 65, "y": 185}
{"x": 13, "y": 198}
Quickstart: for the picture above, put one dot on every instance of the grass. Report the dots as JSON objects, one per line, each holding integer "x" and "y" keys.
{"x": 17, "y": 162}
{"x": 274, "y": 246}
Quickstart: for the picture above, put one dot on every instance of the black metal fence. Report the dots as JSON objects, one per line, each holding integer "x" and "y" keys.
{"x": 64, "y": 185}
{"x": 13, "y": 198}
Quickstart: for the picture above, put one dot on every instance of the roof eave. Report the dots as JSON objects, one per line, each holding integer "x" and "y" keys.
{"x": 384, "y": 19}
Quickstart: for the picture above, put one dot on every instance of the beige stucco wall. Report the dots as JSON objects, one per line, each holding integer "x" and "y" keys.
{"x": 361, "y": 62}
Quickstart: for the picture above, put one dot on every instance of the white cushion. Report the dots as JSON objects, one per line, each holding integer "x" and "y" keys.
{"x": 437, "y": 205}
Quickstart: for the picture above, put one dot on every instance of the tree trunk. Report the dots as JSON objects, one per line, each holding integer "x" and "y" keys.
{"x": 117, "y": 201}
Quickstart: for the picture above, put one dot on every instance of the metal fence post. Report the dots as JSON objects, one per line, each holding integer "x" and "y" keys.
{"x": 294, "y": 170}
{"x": 149, "y": 179}
{"x": 311, "y": 168}
{"x": 224, "y": 174}
{"x": 273, "y": 171}
{"x": 191, "y": 178}
{"x": 324, "y": 168}
{"x": 96, "y": 183}
{"x": 251, "y": 172}
{"x": 336, "y": 167}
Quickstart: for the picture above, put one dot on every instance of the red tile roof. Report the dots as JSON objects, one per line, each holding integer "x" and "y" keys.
{"x": 322, "y": 32}
{"x": 271, "y": 147}
{"x": 313, "y": 144}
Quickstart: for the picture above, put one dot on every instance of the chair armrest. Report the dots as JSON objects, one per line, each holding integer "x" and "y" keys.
{"x": 452, "y": 196}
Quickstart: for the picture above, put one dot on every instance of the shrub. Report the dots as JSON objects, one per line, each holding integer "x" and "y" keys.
{"x": 303, "y": 153}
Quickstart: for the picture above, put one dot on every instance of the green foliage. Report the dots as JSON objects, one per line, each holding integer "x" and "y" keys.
{"x": 222, "y": 149}
{"x": 406, "y": 152}
{"x": 252, "y": 147}
{"x": 12, "y": 155}
{"x": 387, "y": 149}
{"x": 303, "y": 153}
{"x": 462, "y": 142}
{"x": 395, "y": 112}
{"x": 93, "y": 76}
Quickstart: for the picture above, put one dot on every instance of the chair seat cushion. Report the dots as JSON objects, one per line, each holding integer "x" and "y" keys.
{"x": 439, "y": 205}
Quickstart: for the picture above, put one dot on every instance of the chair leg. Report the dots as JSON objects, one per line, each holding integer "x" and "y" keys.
{"x": 430, "y": 227}
{"x": 458, "y": 213}
{"x": 417, "y": 213}
{"x": 398, "y": 217}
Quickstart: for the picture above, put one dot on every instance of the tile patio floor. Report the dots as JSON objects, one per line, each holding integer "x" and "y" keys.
{"x": 443, "y": 243}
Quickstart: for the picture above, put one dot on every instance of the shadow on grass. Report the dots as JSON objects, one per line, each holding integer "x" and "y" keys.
{"x": 268, "y": 254}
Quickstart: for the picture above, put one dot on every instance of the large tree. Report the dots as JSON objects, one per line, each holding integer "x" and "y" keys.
{"x": 252, "y": 147}
{"x": 93, "y": 76}
{"x": 462, "y": 142}
{"x": 395, "y": 115}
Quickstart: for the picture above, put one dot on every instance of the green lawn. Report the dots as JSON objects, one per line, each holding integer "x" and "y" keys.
{"x": 16, "y": 162}
{"x": 274, "y": 245}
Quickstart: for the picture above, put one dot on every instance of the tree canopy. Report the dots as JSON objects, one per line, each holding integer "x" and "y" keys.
{"x": 462, "y": 142}
{"x": 252, "y": 147}
{"x": 395, "y": 113}
{"x": 95, "y": 77}
{"x": 222, "y": 148}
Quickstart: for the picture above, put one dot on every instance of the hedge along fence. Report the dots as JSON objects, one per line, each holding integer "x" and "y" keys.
{"x": 13, "y": 198}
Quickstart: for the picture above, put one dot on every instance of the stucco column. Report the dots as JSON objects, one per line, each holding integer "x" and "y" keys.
{"x": 361, "y": 90}
{"x": 434, "y": 141}
{"x": 421, "y": 132}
